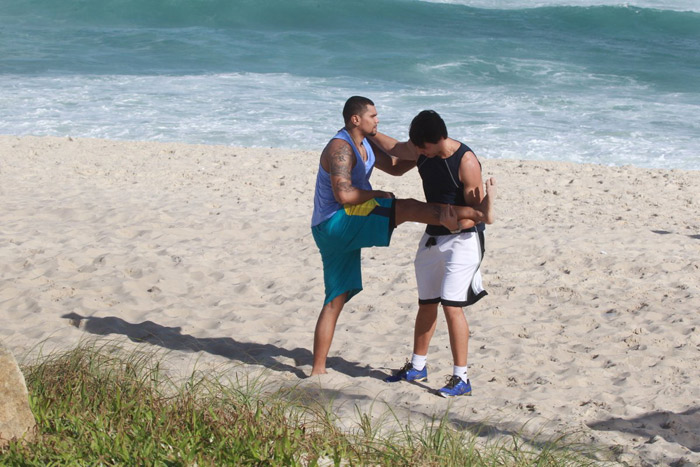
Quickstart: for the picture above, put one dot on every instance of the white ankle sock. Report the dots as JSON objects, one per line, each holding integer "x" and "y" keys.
{"x": 460, "y": 371}
{"x": 418, "y": 361}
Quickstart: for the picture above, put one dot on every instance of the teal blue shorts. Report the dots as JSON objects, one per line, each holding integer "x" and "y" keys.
{"x": 341, "y": 238}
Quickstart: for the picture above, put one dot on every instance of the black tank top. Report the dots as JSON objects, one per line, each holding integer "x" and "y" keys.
{"x": 441, "y": 183}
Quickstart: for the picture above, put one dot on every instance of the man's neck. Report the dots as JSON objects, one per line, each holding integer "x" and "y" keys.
{"x": 449, "y": 147}
{"x": 357, "y": 136}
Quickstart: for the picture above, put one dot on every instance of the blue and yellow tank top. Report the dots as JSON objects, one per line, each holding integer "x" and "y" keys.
{"x": 325, "y": 204}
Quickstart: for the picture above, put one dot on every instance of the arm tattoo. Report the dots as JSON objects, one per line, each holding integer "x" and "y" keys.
{"x": 344, "y": 185}
{"x": 341, "y": 162}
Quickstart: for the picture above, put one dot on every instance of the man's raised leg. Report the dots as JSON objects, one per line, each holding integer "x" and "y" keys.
{"x": 411, "y": 210}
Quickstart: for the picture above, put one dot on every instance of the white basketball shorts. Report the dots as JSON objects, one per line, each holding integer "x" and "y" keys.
{"x": 447, "y": 269}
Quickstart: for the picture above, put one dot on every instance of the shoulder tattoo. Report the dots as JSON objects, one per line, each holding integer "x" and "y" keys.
{"x": 341, "y": 161}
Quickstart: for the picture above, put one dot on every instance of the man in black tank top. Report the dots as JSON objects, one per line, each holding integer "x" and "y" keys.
{"x": 447, "y": 262}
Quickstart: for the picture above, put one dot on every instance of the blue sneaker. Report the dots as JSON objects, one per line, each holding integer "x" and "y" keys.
{"x": 456, "y": 387}
{"x": 407, "y": 373}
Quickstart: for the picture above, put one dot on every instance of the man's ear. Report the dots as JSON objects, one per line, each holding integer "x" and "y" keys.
{"x": 355, "y": 120}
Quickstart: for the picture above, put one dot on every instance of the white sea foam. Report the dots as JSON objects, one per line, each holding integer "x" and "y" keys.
{"x": 285, "y": 111}
{"x": 676, "y": 5}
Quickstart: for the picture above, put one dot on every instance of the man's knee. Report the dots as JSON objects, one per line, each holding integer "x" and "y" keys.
{"x": 409, "y": 209}
{"x": 427, "y": 308}
{"x": 453, "y": 312}
{"x": 335, "y": 305}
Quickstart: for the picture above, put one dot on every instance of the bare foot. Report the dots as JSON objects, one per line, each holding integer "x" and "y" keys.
{"x": 315, "y": 372}
{"x": 487, "y": 203}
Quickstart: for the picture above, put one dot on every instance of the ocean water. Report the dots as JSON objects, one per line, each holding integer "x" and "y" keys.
{"x": 588, "y": 81}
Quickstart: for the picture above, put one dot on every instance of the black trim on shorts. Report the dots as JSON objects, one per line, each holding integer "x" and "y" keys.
{"x": 471, "y": 299}
{"x": 392, "y": 216}
{"x": 429, "y": 301}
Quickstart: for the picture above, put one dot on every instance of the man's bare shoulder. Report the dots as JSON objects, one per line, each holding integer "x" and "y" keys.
{"x": 470, "y": 169}
{"x": 470, "y": 162}
{"x": 337, "y": 152}
{"x": 336, "y": 145}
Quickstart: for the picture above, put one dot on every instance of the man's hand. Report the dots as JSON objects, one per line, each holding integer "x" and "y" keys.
{"x": 448, "y": 218}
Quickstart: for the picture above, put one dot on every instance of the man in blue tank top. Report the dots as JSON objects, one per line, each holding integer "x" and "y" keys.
{"x": 447, "y": 262}
{"x": 349, "y": 215}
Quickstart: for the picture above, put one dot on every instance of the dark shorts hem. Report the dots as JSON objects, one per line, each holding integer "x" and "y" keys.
{"x": 351, "y": 293}
{"x": 470, "y": 301}
{"x": 429, "y": 301}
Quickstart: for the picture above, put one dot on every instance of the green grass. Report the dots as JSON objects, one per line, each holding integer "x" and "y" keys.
{"x": 98, "y": 406}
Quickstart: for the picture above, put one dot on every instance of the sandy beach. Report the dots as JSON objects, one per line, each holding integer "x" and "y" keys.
{"x": 205, "y": 253}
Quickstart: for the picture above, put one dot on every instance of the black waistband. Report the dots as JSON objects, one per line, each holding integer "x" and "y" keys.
{"x": 436, "y": 230}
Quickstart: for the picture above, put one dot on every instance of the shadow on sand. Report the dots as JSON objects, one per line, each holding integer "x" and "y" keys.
{"x": 680, "y": 428}
{"x": 244, "y": 352}
{"x": 266, "y": 355}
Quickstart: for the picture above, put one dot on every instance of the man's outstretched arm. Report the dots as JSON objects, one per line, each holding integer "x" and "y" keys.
{"x": 390, "y": 164}
{"x": 403, "y": 150}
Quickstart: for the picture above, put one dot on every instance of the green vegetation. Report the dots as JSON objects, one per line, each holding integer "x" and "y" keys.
{"x": 96, "y": 406}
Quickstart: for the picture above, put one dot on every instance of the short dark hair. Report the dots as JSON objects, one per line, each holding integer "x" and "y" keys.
{"x": 356, "y": 105}
{"x": 427, "y": 127}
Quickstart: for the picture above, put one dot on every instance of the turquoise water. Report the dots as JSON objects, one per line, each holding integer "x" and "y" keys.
{"x": 583, "y": 81}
